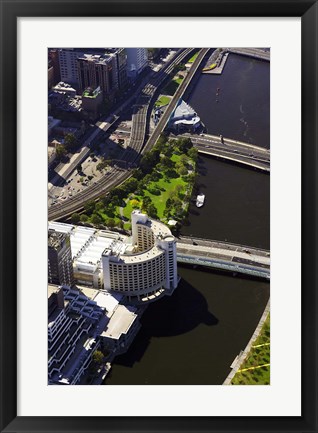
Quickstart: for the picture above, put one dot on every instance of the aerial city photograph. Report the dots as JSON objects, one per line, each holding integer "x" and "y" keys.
{"x": 159, "y": 216}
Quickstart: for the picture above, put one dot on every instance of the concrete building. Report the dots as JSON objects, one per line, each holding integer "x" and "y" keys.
{"x": 120, "y": 71}
{"x": 81, "y": 321}
{"x": 98, "y": 71}
{"x": 64, "y": 88}
{"x": 137, "y": 60}
{"x": 72, "y": 334}
{"x": 68, "y": 64}
{"x": 184, "y": 118}
{"x": 50, "y": 76}
{"x": 92, "y": 101}
{"x": 52, "y": 124}
{"x": 87, "y": 246}
{"x": 142, "y": 267}
{"x": 60, "y": 264}
{"x": 149, "y": 269}
{"x": 53, "y": 55}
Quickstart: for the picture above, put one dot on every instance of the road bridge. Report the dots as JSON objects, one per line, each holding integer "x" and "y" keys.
{"x": 224, "y": 256}
{"x": 232, "y": 150}
{"x": 256, "y": 53}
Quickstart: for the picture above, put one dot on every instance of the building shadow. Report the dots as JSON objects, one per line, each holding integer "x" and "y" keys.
{"x": 186, "y": 309}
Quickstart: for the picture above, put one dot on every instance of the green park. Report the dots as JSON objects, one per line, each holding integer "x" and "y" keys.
{"x": 161, "y": 187}
{"x": 255, "y": 370}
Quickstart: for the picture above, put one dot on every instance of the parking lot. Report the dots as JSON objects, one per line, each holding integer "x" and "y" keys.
{"x": 112, "y": 147}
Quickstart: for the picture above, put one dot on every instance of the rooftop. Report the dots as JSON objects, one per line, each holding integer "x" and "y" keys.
{"x": 120, "y": 322}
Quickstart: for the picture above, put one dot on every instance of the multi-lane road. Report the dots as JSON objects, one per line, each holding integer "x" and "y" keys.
{"x": 233, "y": 150}
{"x": 224, "y": 255}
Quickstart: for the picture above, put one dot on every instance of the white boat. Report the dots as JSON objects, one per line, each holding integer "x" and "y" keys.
{"x": 200, "y": 200}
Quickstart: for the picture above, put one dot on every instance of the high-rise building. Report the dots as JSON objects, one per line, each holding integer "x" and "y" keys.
{"x": 150, "y": 269}
{"x": 121, "y": 66}
{"x": 68, "y": 65}
{"x": 97, "y": 71}
{"x": 55, "y": 62}
{"x": 137, "y": 60}
{"x": 60, "y": 263}
{"x": 72, "y": 335}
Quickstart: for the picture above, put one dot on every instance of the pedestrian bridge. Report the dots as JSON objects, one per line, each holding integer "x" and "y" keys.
{"x": 224, "y": 256}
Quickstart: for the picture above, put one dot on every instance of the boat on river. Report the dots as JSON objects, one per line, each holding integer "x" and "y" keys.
{"x": 200, "y": 200}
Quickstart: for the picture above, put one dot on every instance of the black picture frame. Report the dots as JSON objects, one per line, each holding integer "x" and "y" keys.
{"x": 10, "y": 11}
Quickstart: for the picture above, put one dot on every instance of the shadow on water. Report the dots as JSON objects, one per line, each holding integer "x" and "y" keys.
{"x": 182, "y": 313}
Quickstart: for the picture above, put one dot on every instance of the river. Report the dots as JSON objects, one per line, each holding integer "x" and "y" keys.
{"x": 193, "y": 336}
{"x": 243, "y": 108}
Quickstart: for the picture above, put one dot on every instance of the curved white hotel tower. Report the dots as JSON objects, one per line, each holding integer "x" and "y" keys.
{"x": 150, "y": 269}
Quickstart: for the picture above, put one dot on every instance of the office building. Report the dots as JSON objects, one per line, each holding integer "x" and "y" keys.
{"x": 91, "y": 102}
{"x": 137, "y": 60}
{"x": 60, "y": 263}
{"x": 98, "y": 71}
{"x": 81, "y": 322}
{"x": 72, "y": 335}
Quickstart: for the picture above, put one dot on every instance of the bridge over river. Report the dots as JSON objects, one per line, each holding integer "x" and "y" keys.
{"x": 224, "y": 256}
{"x": 232, "y": 150}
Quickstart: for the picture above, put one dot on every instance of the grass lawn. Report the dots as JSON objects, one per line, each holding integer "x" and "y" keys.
{"x": 258, "y": 356}
{"x": 163, "y": 100}
{"x": 127, "y": 210}
{"x": 105, "y": 216}
{"x": 166, "y": 185}
{"x": 171, "y": 87}
{"x": 193, "y": 57}
{"x": 160, "y": 200}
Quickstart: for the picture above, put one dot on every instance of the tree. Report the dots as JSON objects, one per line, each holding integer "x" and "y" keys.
{"x": 70, "y": 141}
{"x": 183, "y": 171}
{"x": 152, "y": 211}
{"x": 110, "y": 222}
{"x": 167, "y": 162}
{"x": 135, "y": 204}
{"x": 193, "y": 153}
{"x": 84, "y": 218}
{"x": 89, "y": 206}
{"x": 131, "y": 185}
{"x": 75, "y": 218}
{"x": 60, "y": 151}
{"x": 79, "y": 168}
{"x": 98, "y": 357}
{"x": 146, "y": 202}
{"x": 96, "y": 219}
{"x": 99, "y": 206}
{"x": 184, "y": 144}
{"x": 184, "y": 159}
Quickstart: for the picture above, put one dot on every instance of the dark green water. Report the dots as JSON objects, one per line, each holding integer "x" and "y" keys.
{"x": 243, "y": 108}
{"x": 194, "y": 336}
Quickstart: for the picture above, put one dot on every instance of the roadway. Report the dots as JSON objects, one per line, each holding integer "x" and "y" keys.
{"x": 236, "y": 151}
{"x": 256, "y": 53}
{"x": 224, "y": 255}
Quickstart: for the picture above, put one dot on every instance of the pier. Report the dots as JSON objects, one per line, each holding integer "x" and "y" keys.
{"x": 217, "y": 60}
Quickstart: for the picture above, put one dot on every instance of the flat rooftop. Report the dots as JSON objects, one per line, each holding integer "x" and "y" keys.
{"x": 120, "y": 322}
